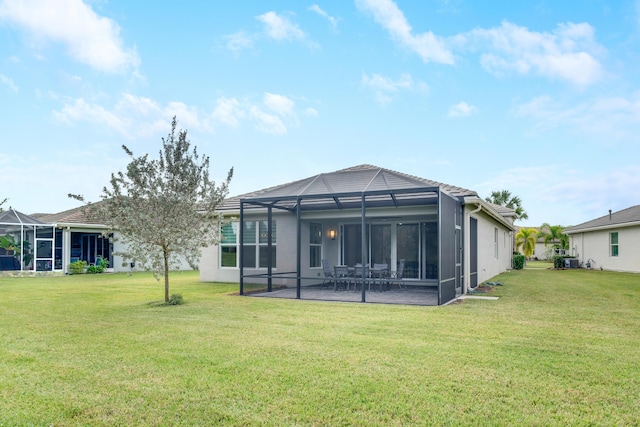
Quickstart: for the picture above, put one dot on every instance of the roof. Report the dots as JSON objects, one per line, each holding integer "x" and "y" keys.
{"x": 361, "y": 179}
{"x": 12, "y": 216}
{"x": 77, "y": 215}
{"x": 624, "y": 218}
{"x": 503, "y": 210}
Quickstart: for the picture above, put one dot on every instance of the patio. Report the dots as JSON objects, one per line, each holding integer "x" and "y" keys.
{"x": 427, "y": 296}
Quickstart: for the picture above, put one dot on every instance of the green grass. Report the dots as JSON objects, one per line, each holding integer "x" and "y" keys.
{"x": 538, "y": 264}
{"x": 557, "y": 348}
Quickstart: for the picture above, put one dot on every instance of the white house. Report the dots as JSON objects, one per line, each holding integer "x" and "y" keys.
{"x": 611, "y": 242}
{"x": 50, "y": 242}
{"x": 444, "y": 237}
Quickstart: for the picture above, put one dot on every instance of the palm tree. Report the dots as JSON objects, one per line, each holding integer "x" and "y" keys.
{"x": 504, "y": 198}
{"x": 526, "y": 238}
{"x": 554, "y": 235}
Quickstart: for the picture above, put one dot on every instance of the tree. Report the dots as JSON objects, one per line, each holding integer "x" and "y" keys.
{"x": 526, "y": 238}
{"x": 163, "y": 208}
{"x": 504, "y": 198}
{"x": 554, "y": 235}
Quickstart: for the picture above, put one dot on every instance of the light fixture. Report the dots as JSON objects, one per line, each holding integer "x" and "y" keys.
{"x": 332, "y": 233}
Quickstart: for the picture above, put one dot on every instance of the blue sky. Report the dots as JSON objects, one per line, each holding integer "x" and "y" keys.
{"x": 541, "y": 97}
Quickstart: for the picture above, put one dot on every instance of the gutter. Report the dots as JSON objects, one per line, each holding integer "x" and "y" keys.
{"x": 603, "y": 227}
{"x": 489, "y": 210}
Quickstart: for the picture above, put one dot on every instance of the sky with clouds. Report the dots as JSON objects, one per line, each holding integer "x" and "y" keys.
{"x": 541, "y": 98}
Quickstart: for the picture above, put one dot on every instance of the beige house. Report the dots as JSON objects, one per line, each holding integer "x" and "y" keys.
{"x": 611, "y": 242}
{"x": 429, "y": 235}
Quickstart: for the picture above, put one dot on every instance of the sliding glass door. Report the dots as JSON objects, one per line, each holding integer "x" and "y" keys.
{"x": 391, "y": 243}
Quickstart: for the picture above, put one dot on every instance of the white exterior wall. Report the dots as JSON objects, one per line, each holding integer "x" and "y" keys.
{"x": 488, "y": 264}
{"x": 595, "y": 245}
{"x": 210, "y": 270}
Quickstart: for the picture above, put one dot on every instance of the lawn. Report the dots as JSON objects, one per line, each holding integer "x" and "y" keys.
{"x": 557, "y": 348}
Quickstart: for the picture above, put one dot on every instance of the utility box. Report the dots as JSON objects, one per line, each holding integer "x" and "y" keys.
{"x": 571, "y": 263}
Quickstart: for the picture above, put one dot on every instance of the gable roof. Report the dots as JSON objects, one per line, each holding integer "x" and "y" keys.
{"x": 351, "y": 181}
{"x": 624, "y": 218}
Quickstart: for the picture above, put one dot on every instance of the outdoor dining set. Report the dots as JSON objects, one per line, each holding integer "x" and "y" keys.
{"x": 377, "y": 276}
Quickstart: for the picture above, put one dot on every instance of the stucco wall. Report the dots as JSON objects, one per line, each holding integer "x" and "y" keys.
{"x": 488, "y": 265}
{"x": 595, "y": 245}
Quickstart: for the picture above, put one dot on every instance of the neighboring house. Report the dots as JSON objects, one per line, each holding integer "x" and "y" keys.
{"x": 56, "y": 240}
{"x": 79, "y": 238}
{"x": 446, "y": 237}
{"x": 609, "y": 242}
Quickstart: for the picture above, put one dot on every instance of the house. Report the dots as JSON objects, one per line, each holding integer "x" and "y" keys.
{"x": 609, "y": 242}
{"x": 446, "y": 238}
{"x": 50, "y": 242}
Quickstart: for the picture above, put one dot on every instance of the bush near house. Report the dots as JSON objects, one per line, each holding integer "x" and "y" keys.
{"x": 518, "y": 261}
{"x": 77, "y": 267}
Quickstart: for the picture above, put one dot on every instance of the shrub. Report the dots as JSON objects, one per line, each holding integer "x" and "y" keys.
{"x": 518, "y": 262}
{"x": 77, "y": 267}
{"x": 175, "y": 299}
{"x": 99, "y": 266}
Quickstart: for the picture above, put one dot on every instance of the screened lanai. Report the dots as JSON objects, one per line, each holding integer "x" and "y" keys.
{"x": 398, "y": 238}
{"x": 26, "y": 244}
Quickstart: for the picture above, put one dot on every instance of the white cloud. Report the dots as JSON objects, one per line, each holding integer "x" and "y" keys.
{"x": 136, "y": 116}
{"x": 311, "y": 112}
{"x": 89, "y": 38}
{"x": 240, "y": 41}
{"x": 462, "y": 109}
{"x": 611, "y": 119}
{"x": 279, "y": 27}
{"x": 8, "y": 82}
{"x": 567, "y": 53}
{"x": 427, "y": 46}
{"x": 384, "y": 87}
{"x": 267, "y": 123}
{"x": 132, "y": 116}
{"x": 571, "y": 196}
{"x": 280, "y": 104}
{"x": 332, "y": 20}
{"x": 228, "y": 111}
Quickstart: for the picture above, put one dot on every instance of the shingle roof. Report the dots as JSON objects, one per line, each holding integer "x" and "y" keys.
{"x": 629, "y": 216}
{"x": 356, "y": 179}
{"x": 71, "y": 216}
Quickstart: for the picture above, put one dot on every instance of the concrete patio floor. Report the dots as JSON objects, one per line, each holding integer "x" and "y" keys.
{"x": 410, "y": 296}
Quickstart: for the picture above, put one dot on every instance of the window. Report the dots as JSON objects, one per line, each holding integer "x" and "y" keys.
{"x": 495, "y": 242}
{"x": 613, "y": 240}
{"x": 315, "y": 245}
{"x": 255, "y": 241}
{"x": 256, "y": 244}
{"x": 229, "y": 245}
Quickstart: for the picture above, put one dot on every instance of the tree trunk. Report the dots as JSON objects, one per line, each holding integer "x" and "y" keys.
{"x": 166, "y": 275}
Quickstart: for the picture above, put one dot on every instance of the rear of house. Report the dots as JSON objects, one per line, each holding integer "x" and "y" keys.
{"x": 431, "y": 234}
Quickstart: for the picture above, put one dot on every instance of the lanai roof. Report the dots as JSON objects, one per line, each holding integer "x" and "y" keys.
{"x": 349, "y": 183}
{"x": 625, "y": 217}
{"x": 12, "y": 216}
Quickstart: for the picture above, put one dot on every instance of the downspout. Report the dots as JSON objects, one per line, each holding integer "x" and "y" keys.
{"x": 467, "y": 261}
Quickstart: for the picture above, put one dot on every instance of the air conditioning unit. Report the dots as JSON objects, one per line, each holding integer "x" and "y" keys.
{"x": 571, "y": 263}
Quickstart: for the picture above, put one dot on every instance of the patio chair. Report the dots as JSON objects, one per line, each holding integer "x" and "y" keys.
{"x": 329, "y": 276}
{"x": 342, "y": 277}
{"x": 399, "y": 274}
{"x": 359, "y": 278}
{"x": 380, "y": 273}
